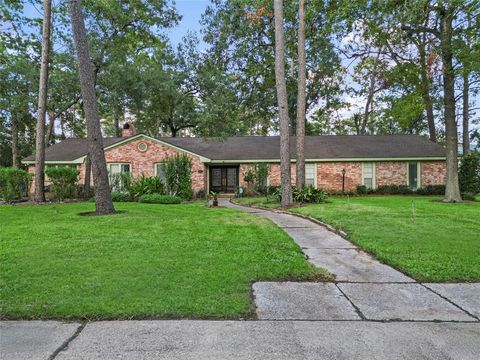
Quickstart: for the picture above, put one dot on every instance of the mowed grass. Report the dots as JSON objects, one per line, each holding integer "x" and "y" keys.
{"x": 424, "y": 238}
{"x": 151, "y": 261}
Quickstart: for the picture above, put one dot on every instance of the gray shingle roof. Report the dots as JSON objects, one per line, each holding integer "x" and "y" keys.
{"x": 316, "y": 147}
{"x": 70, "y": 149}
{"x": 267, "y": 147}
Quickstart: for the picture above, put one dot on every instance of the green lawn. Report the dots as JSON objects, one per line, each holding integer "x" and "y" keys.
{"x": 152, "y": 261}
{"x": 441, "y": 243}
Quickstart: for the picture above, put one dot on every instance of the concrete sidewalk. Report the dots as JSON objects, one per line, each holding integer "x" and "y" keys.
{"x": 224, "y": 340}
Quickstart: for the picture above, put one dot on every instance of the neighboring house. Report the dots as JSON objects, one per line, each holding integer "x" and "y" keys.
{"x": 221, "y": 164}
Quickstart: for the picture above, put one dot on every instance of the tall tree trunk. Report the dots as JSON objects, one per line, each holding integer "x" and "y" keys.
{"x": 15, "y": 157}
{"x": 465, "y": 112}
{"x": 282, "y": 105}
{"x": 86, "y": 183}
{"x": 425, "y": 91}
{"x": 116, "y": 123}
{"x": 42, "y": 105}
{"x": 452, "y": 192}
{"x": 371, "y": 94}
{"x": 302, "y": 85}
{"x": 50, "y": 127}
{"x": 103, "y": 198}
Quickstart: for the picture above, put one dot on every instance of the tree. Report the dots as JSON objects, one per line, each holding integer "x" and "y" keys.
{"x": 447, "y": 26}
{"x": 446, "y": 16}
{"x": 103, "y": 198}
{"x": 282, "y": 105}
{"x": 241, "y": 35}
{"x": 42, "y": 105}
{"x": 300, "y": 128}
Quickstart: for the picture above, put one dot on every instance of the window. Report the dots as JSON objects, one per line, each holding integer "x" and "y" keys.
{"x": 114, "y": 175}
{"x": 413, "y": 172}
{"x": 310, "y": 174}
{"x": 159, "y": 171}
{"x": 369, "y": 175}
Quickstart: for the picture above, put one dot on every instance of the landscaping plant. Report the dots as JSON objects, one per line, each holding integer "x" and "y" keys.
{"x": 178, "y": 176}
{"x": 159, "y": 199}
{"x": 14, "y": 183}
{"x": 63, "y": 180}
{"x": 469, "y": 176}
{"x": 144, "y": 185}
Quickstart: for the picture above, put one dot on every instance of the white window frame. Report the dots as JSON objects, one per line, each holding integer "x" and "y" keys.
{"x": 314, "y": 173}
{"x": 419, "y": 174}
{"x": 109, "y": 164}
{"x": 374, "y": 173}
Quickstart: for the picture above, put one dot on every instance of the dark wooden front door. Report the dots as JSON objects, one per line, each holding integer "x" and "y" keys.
{"x": 224, "y": 178}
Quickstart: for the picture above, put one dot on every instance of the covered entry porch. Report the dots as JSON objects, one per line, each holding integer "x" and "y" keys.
{"x": 223, "y": 178}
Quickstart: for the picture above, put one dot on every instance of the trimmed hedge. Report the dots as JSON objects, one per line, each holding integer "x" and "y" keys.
{"x": 159, "y": 199}
{"x": 14, "y": 183}
{"x": 432, "y": 190}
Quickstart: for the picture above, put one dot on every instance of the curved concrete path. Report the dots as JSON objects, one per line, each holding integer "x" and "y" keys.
{"x": 364, "y": 288}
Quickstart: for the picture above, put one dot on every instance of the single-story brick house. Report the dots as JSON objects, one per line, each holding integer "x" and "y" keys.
{"x": 221, "y": 164}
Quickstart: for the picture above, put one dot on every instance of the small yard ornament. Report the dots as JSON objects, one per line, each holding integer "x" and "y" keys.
{"x": 213, "y": 199}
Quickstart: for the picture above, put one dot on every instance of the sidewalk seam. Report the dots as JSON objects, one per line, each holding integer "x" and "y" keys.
{"x": 357, "y": 309}
{"x": 67, "y": 342}
{"x": 450, "y": 301}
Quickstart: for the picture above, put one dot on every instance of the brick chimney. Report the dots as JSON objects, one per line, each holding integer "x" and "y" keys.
{"x": 128, "y": 130}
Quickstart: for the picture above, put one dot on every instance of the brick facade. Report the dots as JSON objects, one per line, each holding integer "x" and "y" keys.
{"x": 329, "y": 174}
{"x": 391, "y": 173}
{"x": 433, "y": 172}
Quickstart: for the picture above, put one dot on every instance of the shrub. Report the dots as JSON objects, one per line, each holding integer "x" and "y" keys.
{"x": 309, "y": 194}
{"x": 261, "y": 175}
{"x": 393, "y": 190}
{"x": 468, "y": 196}
{"x": 144, "y": 185}
{"x": 14, "y": 183}
{"x": 201, "y": 194}
{"x": 159, "y": 199}
{"x": 120, "y": 182}
{"x": 469, "y": 174}
{"x": 432, "y": 190}
{"x": 362, "y": 190}
{"x": 63, "y": 179}
{"x": 120, "y": 197}
{"x": 177, "y": 170}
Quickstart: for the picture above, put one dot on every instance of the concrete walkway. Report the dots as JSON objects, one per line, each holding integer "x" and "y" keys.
{"x": 365, "y": 289}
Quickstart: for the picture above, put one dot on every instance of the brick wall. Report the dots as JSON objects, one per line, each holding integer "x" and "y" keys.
{"x": 143, "y": 163}
{"x": 391, "y": 173}
{"x": 274, "y": 175}
{"x": 433, "y": 172}
{"x": 329, "y": 175}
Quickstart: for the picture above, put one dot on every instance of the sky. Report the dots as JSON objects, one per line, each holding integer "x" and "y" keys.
{"x": 191, "y": 11}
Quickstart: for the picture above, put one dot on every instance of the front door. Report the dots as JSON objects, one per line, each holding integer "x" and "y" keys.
{"x": 223, "y": 178}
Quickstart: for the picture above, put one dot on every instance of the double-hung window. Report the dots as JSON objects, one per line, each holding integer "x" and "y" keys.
{"x": 115, "y": 172}
{"x": 160, "y": 172}
{"x": 310, "y": 174}
{"x": 369, "y": 175}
